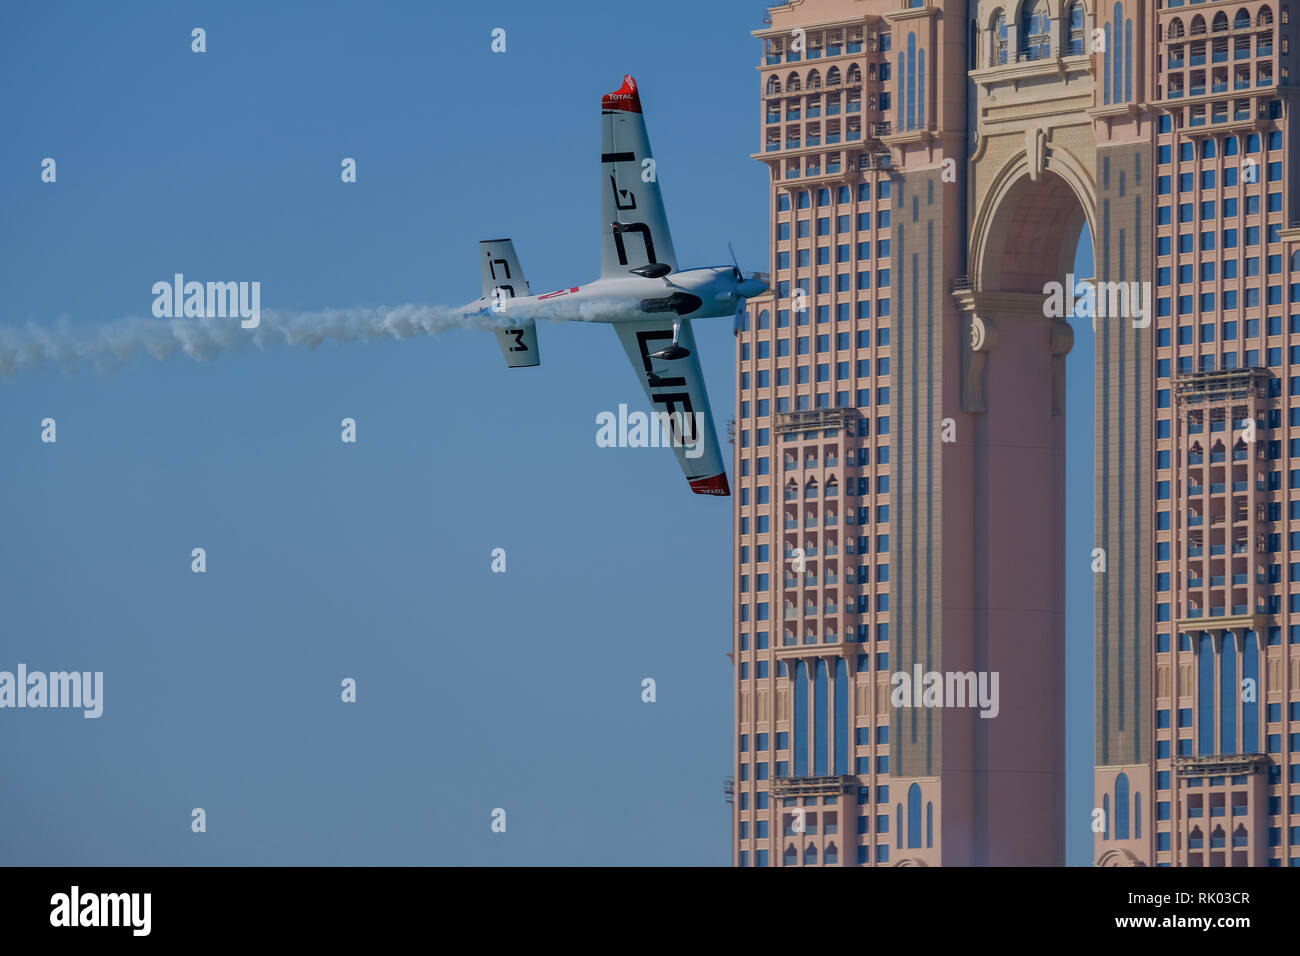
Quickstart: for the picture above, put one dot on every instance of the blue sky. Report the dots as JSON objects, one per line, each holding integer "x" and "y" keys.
{"x": 372, "y": 561}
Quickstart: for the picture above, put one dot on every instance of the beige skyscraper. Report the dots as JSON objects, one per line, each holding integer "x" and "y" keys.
{"x": 900, "y": 469}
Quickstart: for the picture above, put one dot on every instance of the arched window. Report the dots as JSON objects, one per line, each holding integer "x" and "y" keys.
{"x": 854, "y": 75}
{"x": 821, "y": 718}
{"x": 1074, "y": 23}
{"x": 1229, "y": 691}
{"x": 1220, "y": 22}
{"x": 801, "y": 719}
{"x": 841, "y": 720}
{"x": 810, "y": 490}
{"x": 999, "y": 29}
{"x": 920, "y": 90}
{"x": 1035, "y": 31}
{"x": 1242, "y": 20}
{"x": 833, "y": 76}
{"x": 1197, "y": 27}
{"x": 1128, "y": 60}
{"x": 1175, "y": 29}
{"x": 1121, "y": 807}
{"x": 911, "y": 81}
{"x": 1250, "y": 708}
{"x": 1205, "y": 694}
{"x": 902, "y": 91}
{"x": 814, "y": 81}
{"x": 791, "y": 856}
{"x": 1117, "y": 60}
{"x": 1295, "y": 261}
{"x": 1265, "y": 17}
{"x": 1105, "y": 61}
{"x": 810, "y": 855}
{"x": 914, "y": 816}
{"x": 792, "y": 83}
{"x": 773, "y": 84}
{"x": 832, "y": 854}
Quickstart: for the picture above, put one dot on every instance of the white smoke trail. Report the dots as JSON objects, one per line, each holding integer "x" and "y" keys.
{"x": 110, "y": 345}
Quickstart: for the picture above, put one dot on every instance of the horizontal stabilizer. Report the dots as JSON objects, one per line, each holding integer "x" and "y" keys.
{"x": 519, "y": 344}
{"x": 503, "y": 278}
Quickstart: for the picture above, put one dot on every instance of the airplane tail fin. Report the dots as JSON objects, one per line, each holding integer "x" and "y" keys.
{"x": 503, "y": 278}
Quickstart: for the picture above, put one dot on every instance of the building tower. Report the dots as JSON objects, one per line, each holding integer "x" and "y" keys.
{"x": 900, "y": 552}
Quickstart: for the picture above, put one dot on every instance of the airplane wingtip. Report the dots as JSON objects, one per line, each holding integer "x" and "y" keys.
{"x": 717, "y": 485}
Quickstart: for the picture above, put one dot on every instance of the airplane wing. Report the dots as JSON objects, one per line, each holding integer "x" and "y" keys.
{"x": 677, "y": 387}
{"x": 633, "y": 228}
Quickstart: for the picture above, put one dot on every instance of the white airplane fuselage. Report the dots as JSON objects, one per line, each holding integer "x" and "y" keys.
{"x": 709, "y": 292}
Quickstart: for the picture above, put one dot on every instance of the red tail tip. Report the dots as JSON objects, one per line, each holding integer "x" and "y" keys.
{"x": 624, "y": 98}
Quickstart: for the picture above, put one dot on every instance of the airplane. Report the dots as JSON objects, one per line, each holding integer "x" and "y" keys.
{"x": 640, "y": 291}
